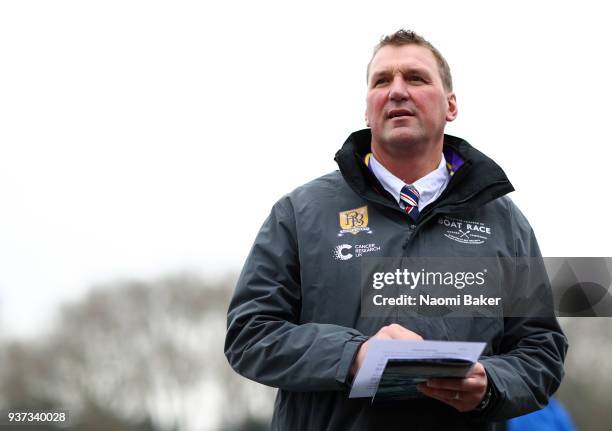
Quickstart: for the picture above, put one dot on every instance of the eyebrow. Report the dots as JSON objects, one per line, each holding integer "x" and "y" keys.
{"x": 403, "y": 70}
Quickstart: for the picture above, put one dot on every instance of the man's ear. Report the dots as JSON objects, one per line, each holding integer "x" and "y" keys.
{"x": 452, "y": 112}
{"x": 366, "y": 118}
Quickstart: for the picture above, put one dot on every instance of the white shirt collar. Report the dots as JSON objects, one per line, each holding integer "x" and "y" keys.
{"x": 430, "y": 186}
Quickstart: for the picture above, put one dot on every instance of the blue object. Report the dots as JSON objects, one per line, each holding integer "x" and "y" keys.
{"x": 553, "y": 417}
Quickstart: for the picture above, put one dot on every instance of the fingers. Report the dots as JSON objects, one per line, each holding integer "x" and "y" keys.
{"x": 441, "y": 394}
{"x": 474, "y": 383}
{"x": 390, "y": 332}
{"x": 398, "y": 332}
{"x": 477, "y": 369}
{"x": 459, "y": 400}
{"x": 462, "y": 394}
{"x": 475, "y": 380}
{"x": 453, "y": 385}
{"x": 462, "y": 401}
{"x": 363, "y": 350}
{"x": 383, "y": 336}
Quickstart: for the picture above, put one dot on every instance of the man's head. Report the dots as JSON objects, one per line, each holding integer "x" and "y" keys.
{"x": 410, "y": 96}
{"x": 406, "y": 37}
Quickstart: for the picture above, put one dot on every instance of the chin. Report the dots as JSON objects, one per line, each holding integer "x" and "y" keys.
{"x": 402, "y": 137}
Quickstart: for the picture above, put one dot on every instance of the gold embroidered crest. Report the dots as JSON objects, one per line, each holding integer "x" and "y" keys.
{"x": 354, "y": 221}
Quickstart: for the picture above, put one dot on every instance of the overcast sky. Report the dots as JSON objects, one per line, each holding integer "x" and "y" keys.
{"x": 141, "y": 138}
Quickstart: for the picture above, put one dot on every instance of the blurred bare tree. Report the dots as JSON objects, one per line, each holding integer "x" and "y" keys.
{"x": 149, "y": 356}
{"x": 143, "y": 353}
{"x": 586, "y": 389}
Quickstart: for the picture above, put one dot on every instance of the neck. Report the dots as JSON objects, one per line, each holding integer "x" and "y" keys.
{"x": 409, "y": 164}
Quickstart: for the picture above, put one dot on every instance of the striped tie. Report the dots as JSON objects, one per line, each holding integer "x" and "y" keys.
{"x": 410, "y": 197}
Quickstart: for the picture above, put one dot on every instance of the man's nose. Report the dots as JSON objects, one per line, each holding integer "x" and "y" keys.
{"x": 398, "y": 89}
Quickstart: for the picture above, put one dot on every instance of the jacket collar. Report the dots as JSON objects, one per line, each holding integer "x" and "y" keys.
{"x": 476, "y": 179}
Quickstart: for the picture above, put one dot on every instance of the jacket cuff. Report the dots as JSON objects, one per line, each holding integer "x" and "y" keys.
{"x": 351, "y": 347}
{"x": 495, "y": 400}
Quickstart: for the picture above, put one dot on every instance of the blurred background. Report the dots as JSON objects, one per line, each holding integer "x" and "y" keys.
{"x": 142, "y": 145}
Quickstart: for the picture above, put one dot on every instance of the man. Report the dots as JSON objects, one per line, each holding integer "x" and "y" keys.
{"x": 295, "y": 319}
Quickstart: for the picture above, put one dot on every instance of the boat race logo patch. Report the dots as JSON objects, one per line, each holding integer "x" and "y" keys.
{"x": 354, "y": 221}
{"x": 465, "y": 232}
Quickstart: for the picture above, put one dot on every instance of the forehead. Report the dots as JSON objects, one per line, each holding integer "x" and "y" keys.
{"x": 389, "y": 58}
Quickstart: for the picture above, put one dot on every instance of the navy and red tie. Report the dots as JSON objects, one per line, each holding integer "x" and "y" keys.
{"x": 409, "y": 195}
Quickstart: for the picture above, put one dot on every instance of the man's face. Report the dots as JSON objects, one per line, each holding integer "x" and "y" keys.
{"x": 406, "y": 101}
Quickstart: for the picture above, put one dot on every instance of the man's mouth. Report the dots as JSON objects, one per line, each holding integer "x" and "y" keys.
{"x": 394, "y": 113}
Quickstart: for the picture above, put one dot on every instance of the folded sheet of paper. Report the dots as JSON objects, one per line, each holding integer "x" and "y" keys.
{"x": 392, "y": 368}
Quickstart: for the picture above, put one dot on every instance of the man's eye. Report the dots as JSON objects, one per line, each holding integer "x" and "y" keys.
{"x": 380, "y": 81}
{"x": 416, "y": 79}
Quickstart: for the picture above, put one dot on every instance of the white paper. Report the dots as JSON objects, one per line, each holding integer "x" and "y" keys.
{"x": 380, "y": 351}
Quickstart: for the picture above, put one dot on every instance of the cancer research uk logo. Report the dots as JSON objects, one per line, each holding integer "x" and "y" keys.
{"x": 347, "y": 251}
{"x": 465, "y": 232}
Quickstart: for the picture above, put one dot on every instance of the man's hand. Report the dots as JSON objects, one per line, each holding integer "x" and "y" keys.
{"x": 390, "y": 332}
{"x": 462, "y": 394}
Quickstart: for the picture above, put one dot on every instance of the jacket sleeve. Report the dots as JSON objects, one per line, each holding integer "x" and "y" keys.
{"x": 265, "y": 339}
{"x": 528, "y": 367}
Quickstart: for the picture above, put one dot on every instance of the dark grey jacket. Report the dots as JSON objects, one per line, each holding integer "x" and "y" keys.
{"x": 294, "y": 321}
